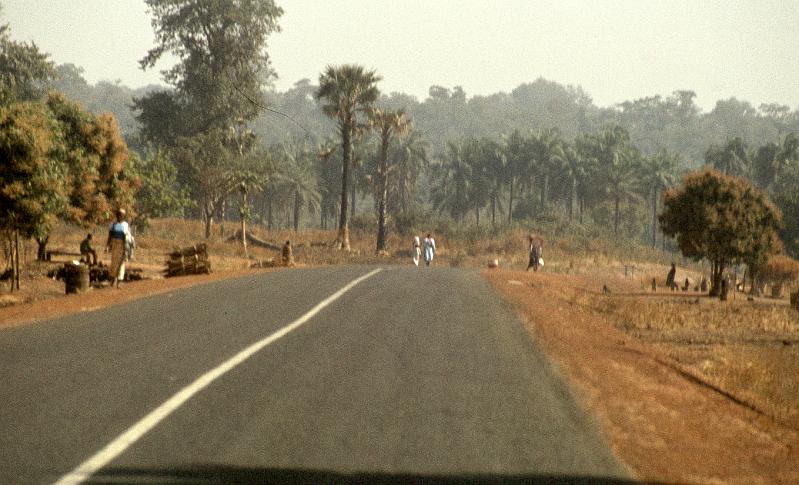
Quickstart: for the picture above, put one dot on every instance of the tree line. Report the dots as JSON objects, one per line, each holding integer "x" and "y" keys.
{"x": 219, "y": 143}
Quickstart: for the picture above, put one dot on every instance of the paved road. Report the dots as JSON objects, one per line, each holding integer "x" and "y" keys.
{"x": 411, "y": 375}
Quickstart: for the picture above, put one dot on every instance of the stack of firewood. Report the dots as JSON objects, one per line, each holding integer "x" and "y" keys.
{"x": 190, "y": 260}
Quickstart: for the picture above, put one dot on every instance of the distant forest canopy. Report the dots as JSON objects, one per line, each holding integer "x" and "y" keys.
{"x": 672, "y": 122}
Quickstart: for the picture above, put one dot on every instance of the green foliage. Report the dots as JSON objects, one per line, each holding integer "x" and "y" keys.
{"x": 349, "y": 93}
{"x": 724, "y": 219}
{"x": 25, "y": 72}
{"x": 33, "y": 188}
{"x": 222, "y": 59}
{"x": 731, "y": 159}
{"x": 159, "y": 193}
{"x": 95, "y": 156}
{"x": 786, "y": 196}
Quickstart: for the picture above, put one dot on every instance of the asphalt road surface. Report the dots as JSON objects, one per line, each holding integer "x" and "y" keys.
{"x": 407, "y": 375}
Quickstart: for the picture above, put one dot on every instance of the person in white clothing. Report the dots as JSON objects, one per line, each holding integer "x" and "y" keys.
{"x": 429, "y": 249}
{"x": 417, "y": 250}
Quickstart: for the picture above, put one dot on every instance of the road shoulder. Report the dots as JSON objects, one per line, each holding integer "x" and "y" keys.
{"x": 660, "y": 423}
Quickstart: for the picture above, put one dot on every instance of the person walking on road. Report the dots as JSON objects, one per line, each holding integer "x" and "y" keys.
{"x": 535, "y": 249}
{"x": 120, "y": 242}
{"x": 429, "y": 249}
{"x": 416, "y": 250}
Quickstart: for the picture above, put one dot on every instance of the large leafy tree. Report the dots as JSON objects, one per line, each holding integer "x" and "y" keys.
{"x": 25, "y": 72}
{"x": 33, "y": 188}
{"x": 222, "y": 63}
{"x": 349, "y": 93}
{"x": 94, "y": 157}
{"x": 213, "y": 166}
{"x": 721, "y": 218}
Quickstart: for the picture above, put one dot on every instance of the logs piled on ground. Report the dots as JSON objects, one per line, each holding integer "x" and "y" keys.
{"x": 256, "y": 241}
{"x": 189, "y": 260}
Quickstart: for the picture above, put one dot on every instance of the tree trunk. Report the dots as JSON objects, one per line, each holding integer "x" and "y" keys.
{"x": 222, "y": 216}
{"x": 343, "y": 241}
{"x": 477, "y": 211}
{"x": 270, "y": 217}
{"x": 244, "y": 221}
{"x": 208, "y": 219}
{"x": 716, "y": 275}
{"x": 297, "y": 207}
{"x": 493, "y": 210}
{"x": 41, "y": 251}
{"x": 582, "y": 206}
{"x": 571, "y": 200}
{"x": 616, "y": 215}
{"x": 544, "y": 182}
{"x": 383, "y": 199}
{"x": 510, "y": 202}
{"x": 654, "y": 217}
{"x": 16, "y": 271}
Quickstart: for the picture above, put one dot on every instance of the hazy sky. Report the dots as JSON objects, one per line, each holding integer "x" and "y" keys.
{"x": 616, "y": 50}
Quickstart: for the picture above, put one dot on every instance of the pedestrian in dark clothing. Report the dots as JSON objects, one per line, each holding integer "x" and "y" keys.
{"x": 88, "y": 253}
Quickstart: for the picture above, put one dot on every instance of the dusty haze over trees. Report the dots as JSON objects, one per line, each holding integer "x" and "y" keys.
{"x": 315, "y": 155}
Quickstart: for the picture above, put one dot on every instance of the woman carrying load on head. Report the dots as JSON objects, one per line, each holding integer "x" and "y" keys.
{"x": 120, "y": 243}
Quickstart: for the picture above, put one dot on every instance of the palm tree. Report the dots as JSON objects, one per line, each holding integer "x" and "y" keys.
{"x": 452, "y": 175}
{"x": 616, "y": 160}
{"x": 410, "y": 158}
{"x": 551, "y": 156}
{"x": 349, "y": 91}
{"x": 300, "y": 180}
{"x": 514, "y": 146}
{"x": 731, "y": 159}
{"x": 657, "y": 174}
{"x": 387, "y": 123}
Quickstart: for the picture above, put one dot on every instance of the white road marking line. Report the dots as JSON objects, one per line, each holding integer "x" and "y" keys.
{"x": 123, "y": 441}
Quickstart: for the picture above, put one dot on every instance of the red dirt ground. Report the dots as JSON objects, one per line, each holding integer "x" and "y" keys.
{"x": 663, "y": 424}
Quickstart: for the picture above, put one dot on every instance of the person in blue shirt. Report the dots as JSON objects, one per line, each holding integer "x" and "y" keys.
{"x": 120, "y": 243}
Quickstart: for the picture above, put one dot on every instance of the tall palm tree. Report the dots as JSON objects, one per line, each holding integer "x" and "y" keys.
{"x": 349, "y": 91}
{"x": 658, "y": 173}
{"x": 388, "y": 124}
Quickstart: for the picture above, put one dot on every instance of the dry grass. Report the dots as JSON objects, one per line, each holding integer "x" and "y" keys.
{"x": 749, "y": 349}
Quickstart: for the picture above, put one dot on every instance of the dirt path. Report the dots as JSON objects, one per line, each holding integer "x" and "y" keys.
{"x": 663, "y": 424}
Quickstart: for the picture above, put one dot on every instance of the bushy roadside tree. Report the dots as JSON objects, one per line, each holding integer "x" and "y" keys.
{"x": 723, "y": 219}
{"x": 33, "y": 189}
